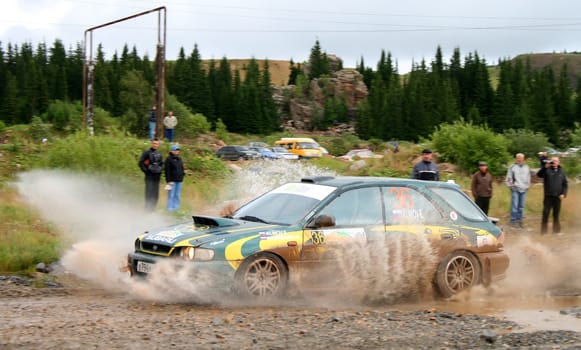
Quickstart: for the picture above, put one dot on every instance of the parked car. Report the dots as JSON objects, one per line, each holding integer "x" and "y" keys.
{"x": 360, "y": 153}
{"x": 295, "y": 235}
{"x": 574, "y": 151}
{"x": 237, "y": 153}
{"x": 284, "y": 153}
{"x": 266, "y": 153}
{"x": 257, "y": 144}
{"x": 553, "y": 152}
{"x": 304, "y": 147}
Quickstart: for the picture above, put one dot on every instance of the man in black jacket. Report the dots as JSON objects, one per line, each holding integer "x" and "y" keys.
{"x": 426, "y": 169}
{"x": 174, "y": 176}
{"x": 151, "y": 163}
{"x": 555, "y": 189}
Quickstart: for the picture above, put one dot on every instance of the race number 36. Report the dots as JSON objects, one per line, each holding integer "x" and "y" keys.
{"x": 317, "y": 237}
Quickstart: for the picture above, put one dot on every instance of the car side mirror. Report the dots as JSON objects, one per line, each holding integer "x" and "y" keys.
{"x": 323, "y": 221}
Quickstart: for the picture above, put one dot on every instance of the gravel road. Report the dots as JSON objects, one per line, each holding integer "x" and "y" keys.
{"x": 76, "y": 315}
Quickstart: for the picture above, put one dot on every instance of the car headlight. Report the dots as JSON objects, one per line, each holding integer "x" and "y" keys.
{"x": 197, "y": 254}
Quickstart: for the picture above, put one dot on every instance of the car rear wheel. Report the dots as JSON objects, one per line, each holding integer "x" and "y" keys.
{"x": 264, "y": 275}
{"x": 457, "y": 272}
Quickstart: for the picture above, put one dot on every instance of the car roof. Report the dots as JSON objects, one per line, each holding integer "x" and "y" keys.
{"x": 350, "y": 181}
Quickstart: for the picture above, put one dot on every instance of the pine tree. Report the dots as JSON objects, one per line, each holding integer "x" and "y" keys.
{"x": 319, "y": 64}
{"x": 102, "y": 91}
{"x": 269, "y": 110}
{"x": 57, "y": 73}
{"x": 562, "y": 99}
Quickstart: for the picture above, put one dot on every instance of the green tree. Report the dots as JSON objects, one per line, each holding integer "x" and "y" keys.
{"x": 318, "y": 62}
{"x": 136, "y": 95}
{"x": 525, "y": 141}
{"x": 465, "y": 144}
{"x": 57, "y": 72}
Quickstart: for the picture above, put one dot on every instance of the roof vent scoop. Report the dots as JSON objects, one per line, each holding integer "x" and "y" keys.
{"x": 212, "y": 222}
{"x": 316, "y": 179}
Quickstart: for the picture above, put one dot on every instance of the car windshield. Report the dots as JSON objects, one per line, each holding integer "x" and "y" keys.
{"x": 284, "y": 205}
{"x": 460, "y": 203}
{"x": 307, "y": 145}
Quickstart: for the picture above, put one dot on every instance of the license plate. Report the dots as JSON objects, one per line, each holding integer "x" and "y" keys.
{"x": 144, "y": 267}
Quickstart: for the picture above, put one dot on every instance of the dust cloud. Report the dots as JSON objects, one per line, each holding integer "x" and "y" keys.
{"x": 100, "y": 221}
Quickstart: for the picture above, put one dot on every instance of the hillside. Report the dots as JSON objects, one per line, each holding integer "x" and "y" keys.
{"x": 280, "y": 69}
{"x": 556, "y": 60}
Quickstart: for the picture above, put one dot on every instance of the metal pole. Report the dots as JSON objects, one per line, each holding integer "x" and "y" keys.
{"x": 91, "y": 88}
{"x": 160, "y": 76}
{"x": 88, "y": 69}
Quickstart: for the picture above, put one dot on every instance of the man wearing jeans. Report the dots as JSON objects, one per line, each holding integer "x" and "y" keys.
{"x": 174, "y": 175}
{"x": 152, "y": 122}
{"x": 518, "y": 179}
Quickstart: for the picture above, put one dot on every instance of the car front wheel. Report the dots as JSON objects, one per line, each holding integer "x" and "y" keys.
{"x": 263, "y": 275}
{"x": 457, "y": 272}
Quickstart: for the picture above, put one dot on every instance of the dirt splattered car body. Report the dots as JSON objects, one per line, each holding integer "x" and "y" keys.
{"x": 301, "y": 232}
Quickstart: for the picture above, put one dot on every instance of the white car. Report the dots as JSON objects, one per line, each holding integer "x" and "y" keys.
{"x": 281, "y": 151}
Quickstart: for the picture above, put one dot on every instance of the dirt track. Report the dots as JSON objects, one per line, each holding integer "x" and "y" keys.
{"x": 544, "y": 279}
{"x": 74, "y": 314}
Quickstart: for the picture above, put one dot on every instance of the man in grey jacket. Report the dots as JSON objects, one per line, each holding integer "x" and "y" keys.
{"x": 518, "y": 179}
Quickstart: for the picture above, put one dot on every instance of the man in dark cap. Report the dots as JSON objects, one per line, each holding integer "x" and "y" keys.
{"x": 482, "y": 187}
{"x": 426, "y": 169}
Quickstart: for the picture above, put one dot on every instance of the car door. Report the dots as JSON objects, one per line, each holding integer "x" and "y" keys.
{"x": 357, "y": 214}
{"x": 409, "y": 210}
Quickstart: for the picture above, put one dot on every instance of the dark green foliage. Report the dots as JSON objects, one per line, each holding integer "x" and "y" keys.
{"x": 136, "y": 96}
{"x": 63, "y": 115}
{"x": 38, "y": 130}
{"x": 465, "y": 144}
{"x": 318, "y": 62}
{"x": 398, "y": 107}
{"x": 525, "y": 141}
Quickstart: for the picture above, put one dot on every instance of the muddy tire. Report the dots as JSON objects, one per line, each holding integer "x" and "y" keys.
{"x": 262, "y": 276}
{"x": 457, "y": 272}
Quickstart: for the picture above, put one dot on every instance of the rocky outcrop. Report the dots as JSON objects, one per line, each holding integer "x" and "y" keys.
{"x": 298, "y": 111}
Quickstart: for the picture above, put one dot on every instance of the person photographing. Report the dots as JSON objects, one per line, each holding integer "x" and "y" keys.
{"x": 555, "y": 187}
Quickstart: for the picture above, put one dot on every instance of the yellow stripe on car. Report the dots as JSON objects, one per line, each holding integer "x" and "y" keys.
{"x": 233, "y": 252}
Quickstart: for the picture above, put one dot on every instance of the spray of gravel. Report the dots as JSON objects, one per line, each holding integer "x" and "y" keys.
{"x": 100, "y": 221}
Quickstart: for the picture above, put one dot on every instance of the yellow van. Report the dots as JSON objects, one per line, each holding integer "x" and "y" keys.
{"x": 302, "y": 146}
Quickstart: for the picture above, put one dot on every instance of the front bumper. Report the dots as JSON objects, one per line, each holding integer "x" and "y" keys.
{"x": 494, "y": 266}
{"x": 218, "y": 274}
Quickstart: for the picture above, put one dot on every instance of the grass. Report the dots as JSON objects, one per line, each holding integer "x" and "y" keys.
{"x": 25, "y": 239}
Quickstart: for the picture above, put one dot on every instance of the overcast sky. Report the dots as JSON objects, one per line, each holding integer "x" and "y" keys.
{"x": 280, "y": 30}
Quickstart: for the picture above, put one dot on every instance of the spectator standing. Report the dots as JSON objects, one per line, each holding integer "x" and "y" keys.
{"x": 518, "y": 179}
{"x": 426, "y": 169}
{"x": 482, "y": 187}
{"x": 170, "y": 121}
{"x": 555, "y": 186}
{"x": 174, "y": 176}
{"x": 152, "y": 122}
{"x": 151, "y": 163}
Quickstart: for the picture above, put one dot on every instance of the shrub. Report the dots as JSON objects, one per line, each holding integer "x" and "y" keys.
{"x": 525, "y": 141}
{"x": 193, "y": 125}
{"x": 575, "y": 135}
{"x": 64, "y": 115}
{"x": 38, "y": 130}
{"x": 221, "y": 131}
{"x": 107, "y": 155}
{"x": 465, "y": 144}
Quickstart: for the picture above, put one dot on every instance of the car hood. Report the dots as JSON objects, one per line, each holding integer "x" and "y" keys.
{"x": 204, "y": 230}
